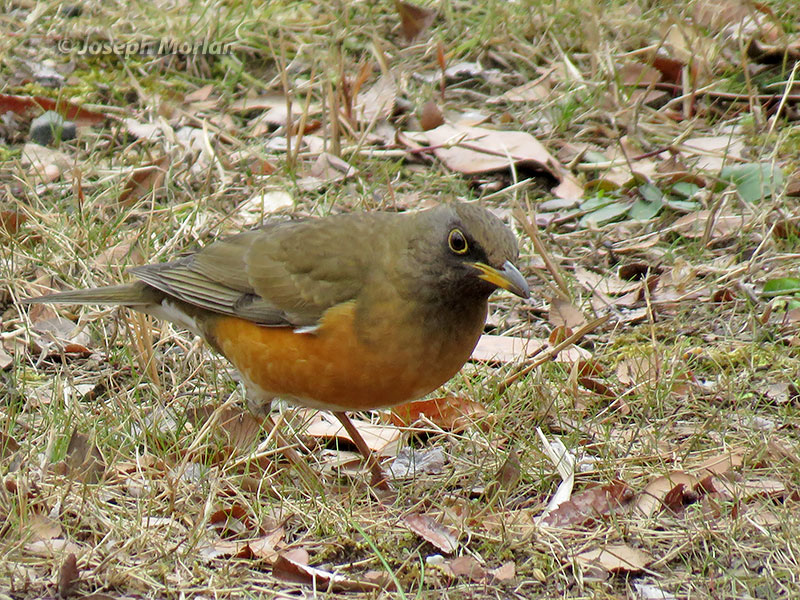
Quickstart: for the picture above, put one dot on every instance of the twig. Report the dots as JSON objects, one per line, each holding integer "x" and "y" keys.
{"x": 533, "y": 233}
{"x": 552, "y": 353}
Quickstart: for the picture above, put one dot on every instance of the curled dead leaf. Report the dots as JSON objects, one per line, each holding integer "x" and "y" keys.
{"x": 440, "y": 536}
{"x": 615, "y": 558}
{"x": 451, "y": 413}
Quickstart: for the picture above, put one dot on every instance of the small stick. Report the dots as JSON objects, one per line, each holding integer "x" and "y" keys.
{"x": 550, "y": 354}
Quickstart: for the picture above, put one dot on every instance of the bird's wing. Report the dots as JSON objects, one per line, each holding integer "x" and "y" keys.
{"x": 283, "y": 274}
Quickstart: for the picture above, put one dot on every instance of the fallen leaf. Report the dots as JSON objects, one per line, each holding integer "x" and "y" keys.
{"x": 378, "y": 102}
{"x": 537, "y": 90}
{"x": 326, "y": 170}
{"x": 83, "y": 461}
{"x": 8, "y": 446}
{"x": 47, "y": 164}
{"x": 474, "y": 150}
{"x": 53, "y": 548}
{"x": 714, "y": 152}
{"x": 253, "y": 210}
{"x": 645, "y": 591}
{"x": 615, "y": 558}
{"x": 465, "y": 566}
{"x": 144, "y": 180}
{"x": 11, "y": 220}
{"x": 655, "y": 494}
{"x": 440, "y": 536}
{"x": 125, "y": 253}
{"x": 694, "y": 225}
{"x": 377, "y": 437}
{"x": 410, "y": 462}
{"x": 414, "y": 20}
{"x": 430, "y": 116}
{"x": 589, "y": 505}
{"x": 564, "y": 312}
{"x": 639, "y": 370}
{"x": 31, "y": 105}
{"x": 290, "y": 570}
{"x": 721, "y": 463}
{"x": 505, "y": 572}
{"x": 451, "y": 413}
{"x": 68, "y": 576}
{"x": 41, "y": 527}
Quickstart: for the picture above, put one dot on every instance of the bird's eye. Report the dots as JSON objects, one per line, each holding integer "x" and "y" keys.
{"x": 457, "y": 242}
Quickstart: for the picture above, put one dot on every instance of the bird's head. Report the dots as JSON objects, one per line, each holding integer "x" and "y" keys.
{"x": 470, "y": 252}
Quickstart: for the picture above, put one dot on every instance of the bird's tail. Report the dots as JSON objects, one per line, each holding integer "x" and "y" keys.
{"x": 131, "y": 294}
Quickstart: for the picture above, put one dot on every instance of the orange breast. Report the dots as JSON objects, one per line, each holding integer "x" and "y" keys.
{"x": 333, "y": 369}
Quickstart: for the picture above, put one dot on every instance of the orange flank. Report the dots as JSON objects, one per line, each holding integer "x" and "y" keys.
{"x": 332, "y": 368}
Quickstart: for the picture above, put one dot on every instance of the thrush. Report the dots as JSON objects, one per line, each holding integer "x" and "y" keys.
{"x": 344, "y": 313}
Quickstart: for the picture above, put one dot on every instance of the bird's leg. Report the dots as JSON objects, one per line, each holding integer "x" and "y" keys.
{"x": 288, "y": 451}
{"x": 260, "y": 405}
{"x": 378, "y": 477}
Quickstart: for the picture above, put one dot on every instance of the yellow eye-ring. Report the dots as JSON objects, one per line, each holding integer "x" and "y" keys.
{"x": 457, "y": 242}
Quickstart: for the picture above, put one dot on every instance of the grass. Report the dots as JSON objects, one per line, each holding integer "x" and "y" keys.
{"x": 174, "y": 492}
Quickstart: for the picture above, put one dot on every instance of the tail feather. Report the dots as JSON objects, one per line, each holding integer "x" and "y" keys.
{"x": 131, "y": 294}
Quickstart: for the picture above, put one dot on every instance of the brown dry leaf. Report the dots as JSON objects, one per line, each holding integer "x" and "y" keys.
{"x": 200, "y": 94}
{"x": 474, "y": 150}
{"x": 711, "y": 153}
{"x": 287, "y": 569}
{"x": 694, "y": 48}
{"x": 414, "y": 20}
{"x": 537, "y": 90}
{"x": 6, "y": 360}
{"x": 451, "y": 413}
{"x": 47, "y": 164}
{"x": 224, "y": 549}
{"x": 264, "y": 547}
{"x": 694, "y": 224}
{"x": 274, "y": 107}
{"x": 84, "y": 461}
{"x": 68, "y": 576}
{"x": 745, "y": 490}
{"x": 440, "y": 536}
{"x": 326, "y": 169}
{"x": 507, "y": 349}
{"x": 10, "y": 221}
{"x": 639, "y": 370}
{"x": 257, "y": 207}
{"x": 465, "y": 566}
{"x": 505, "y": 572}
{"x": 240, "y": 428}
{"x": 34, "y": 105}
{"x": 41, "y": 528}
{"x": 615, "y": 558}
{"x": 231, "y": 521}
{"x": 125, "y": 253}
{"x": 609, "y": 285}
{"x": 656, "y": 494}
{"x": 589, "y": 505}
{"x": 378, "y": 101}
{"x": 144, "y": 180}
{"x": 53, "y": 548}
{"x": 507, "y": 476}
{"x": 8, "y": 445}
{"x": 564, "y": 313}
{"x": 721, "y": 463}
{"x": 379, "y": 438}
{"x": 430, "y": 117}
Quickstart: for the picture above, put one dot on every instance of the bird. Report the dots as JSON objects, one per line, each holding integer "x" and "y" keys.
{"x": 348, "y": 312}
